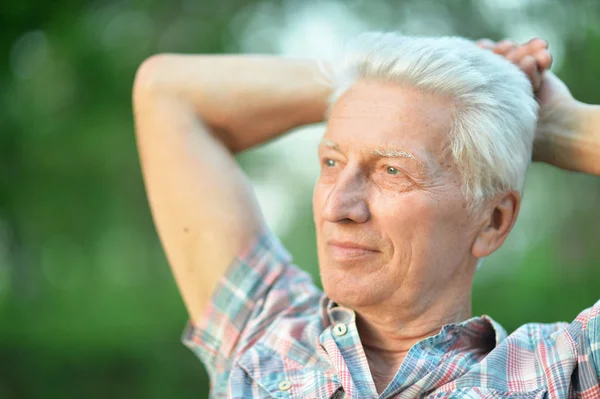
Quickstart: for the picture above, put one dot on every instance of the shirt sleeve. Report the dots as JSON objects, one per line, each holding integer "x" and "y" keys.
{"x": 259, "y": 284}
{"x": 585, "y": 331}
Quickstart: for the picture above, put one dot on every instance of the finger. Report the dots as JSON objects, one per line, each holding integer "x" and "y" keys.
{"x": 528, "y": 48}
{"x": 529, "y": 65}
{"x": 485, "y": 44}
{"x": 536, "y": 44}
{"x": 504, "y": 46}
{"x": 535, "y": 77}
{"x": 516, "y": 56}
{"x": 543, "y": 59}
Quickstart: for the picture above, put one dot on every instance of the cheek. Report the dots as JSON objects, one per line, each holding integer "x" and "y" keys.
{"x": 408, "y": 219}
{"x": 397, "y": 220}
{"x": 321, "y": 191}
{"x": 401, "y": 212}
{"x": 439, "y": 227}
{"x": 318, "y": 201}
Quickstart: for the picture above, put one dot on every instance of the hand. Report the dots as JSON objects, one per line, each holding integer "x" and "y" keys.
{"x": 532, "y": 57}
{"x": 559, "y": 111}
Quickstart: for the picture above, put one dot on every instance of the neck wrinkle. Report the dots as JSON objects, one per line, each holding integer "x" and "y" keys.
{"x": 392, "y": 337}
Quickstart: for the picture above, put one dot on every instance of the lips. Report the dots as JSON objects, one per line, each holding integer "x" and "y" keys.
{"x": 349, "y": 250}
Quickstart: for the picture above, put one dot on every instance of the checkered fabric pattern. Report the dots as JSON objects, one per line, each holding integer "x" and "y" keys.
{"x": 269, "y": 332}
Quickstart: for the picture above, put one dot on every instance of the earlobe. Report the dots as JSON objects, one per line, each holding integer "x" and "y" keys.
{"x": 497, "y": 223}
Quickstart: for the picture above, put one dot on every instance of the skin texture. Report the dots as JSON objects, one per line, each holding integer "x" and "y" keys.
{"x": 379, "y": 217}
{"x": 396, "y": 213}
{"x": 191, "y": 114}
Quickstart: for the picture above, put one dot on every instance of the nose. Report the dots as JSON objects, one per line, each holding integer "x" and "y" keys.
{"x": 347, "y": 200}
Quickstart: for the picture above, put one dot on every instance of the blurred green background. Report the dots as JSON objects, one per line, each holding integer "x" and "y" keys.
{"x": 88, "y": 307}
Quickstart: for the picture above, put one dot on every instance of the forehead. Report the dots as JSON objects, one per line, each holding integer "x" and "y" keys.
{"x": 374, "y": 114}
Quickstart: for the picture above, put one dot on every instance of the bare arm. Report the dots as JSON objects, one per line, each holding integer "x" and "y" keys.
{"x": 191, "y": 114}
{"x": 569, "y": 135}
{"x": 568, "y": 131}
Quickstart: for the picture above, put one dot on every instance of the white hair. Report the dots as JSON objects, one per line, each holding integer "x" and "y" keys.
{"x": 495, "y": 110}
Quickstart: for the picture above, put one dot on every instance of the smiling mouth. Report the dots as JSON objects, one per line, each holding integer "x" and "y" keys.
{"x": 349, "y": 251}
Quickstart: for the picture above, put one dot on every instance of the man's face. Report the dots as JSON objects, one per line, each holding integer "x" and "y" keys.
{"x": 392, "y": 224}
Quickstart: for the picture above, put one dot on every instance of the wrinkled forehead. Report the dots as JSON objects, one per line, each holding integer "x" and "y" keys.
{"x": 380, "y": 114}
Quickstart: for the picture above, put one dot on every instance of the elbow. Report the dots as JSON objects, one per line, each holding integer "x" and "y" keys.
{"x": 149, "y": 75}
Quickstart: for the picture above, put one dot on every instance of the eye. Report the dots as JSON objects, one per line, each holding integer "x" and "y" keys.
{"x": 330, "y": 162}
{"x": 392, "y": 171}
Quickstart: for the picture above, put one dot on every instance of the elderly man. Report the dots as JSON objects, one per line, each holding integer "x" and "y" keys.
{"x": 422, "y": 168}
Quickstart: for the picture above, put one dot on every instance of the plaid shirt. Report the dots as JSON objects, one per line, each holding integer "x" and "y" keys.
{"x": 269, "y": 332}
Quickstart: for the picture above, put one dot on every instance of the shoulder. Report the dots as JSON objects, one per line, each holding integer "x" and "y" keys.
{"x": 586, "y": 326}
{"x": 550, "y": 356}
{"x": 561, "y": 337}
{"x": 530, "y": 336}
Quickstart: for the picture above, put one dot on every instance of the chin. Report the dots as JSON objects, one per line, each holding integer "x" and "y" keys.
{"x": 348, "y": 290}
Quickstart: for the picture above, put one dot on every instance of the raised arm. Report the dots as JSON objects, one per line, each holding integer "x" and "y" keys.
{"x": 191, "y": 114}
{"x": 568, "y": 132}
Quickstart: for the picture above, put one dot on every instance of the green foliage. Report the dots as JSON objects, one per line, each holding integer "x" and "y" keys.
{"x": 87, "y": 303}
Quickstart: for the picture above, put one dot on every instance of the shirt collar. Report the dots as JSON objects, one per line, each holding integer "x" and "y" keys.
{"x": 476, "y": 332}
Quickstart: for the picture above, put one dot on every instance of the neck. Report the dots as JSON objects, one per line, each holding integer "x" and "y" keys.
{"x": 388, "y": 332}
{"x": 400, "y": 336}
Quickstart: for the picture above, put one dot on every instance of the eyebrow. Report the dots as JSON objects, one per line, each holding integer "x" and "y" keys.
{"x": 387, "y": 153}
{"x": 395, "y": 154}
{"x": 331, "y": 144}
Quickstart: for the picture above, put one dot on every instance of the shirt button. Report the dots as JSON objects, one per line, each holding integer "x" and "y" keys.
{"x": 285, "y": 385}
{"x": 340, "y": 329}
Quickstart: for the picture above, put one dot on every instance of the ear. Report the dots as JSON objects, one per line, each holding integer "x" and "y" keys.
{"x": 498, "y": 220}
